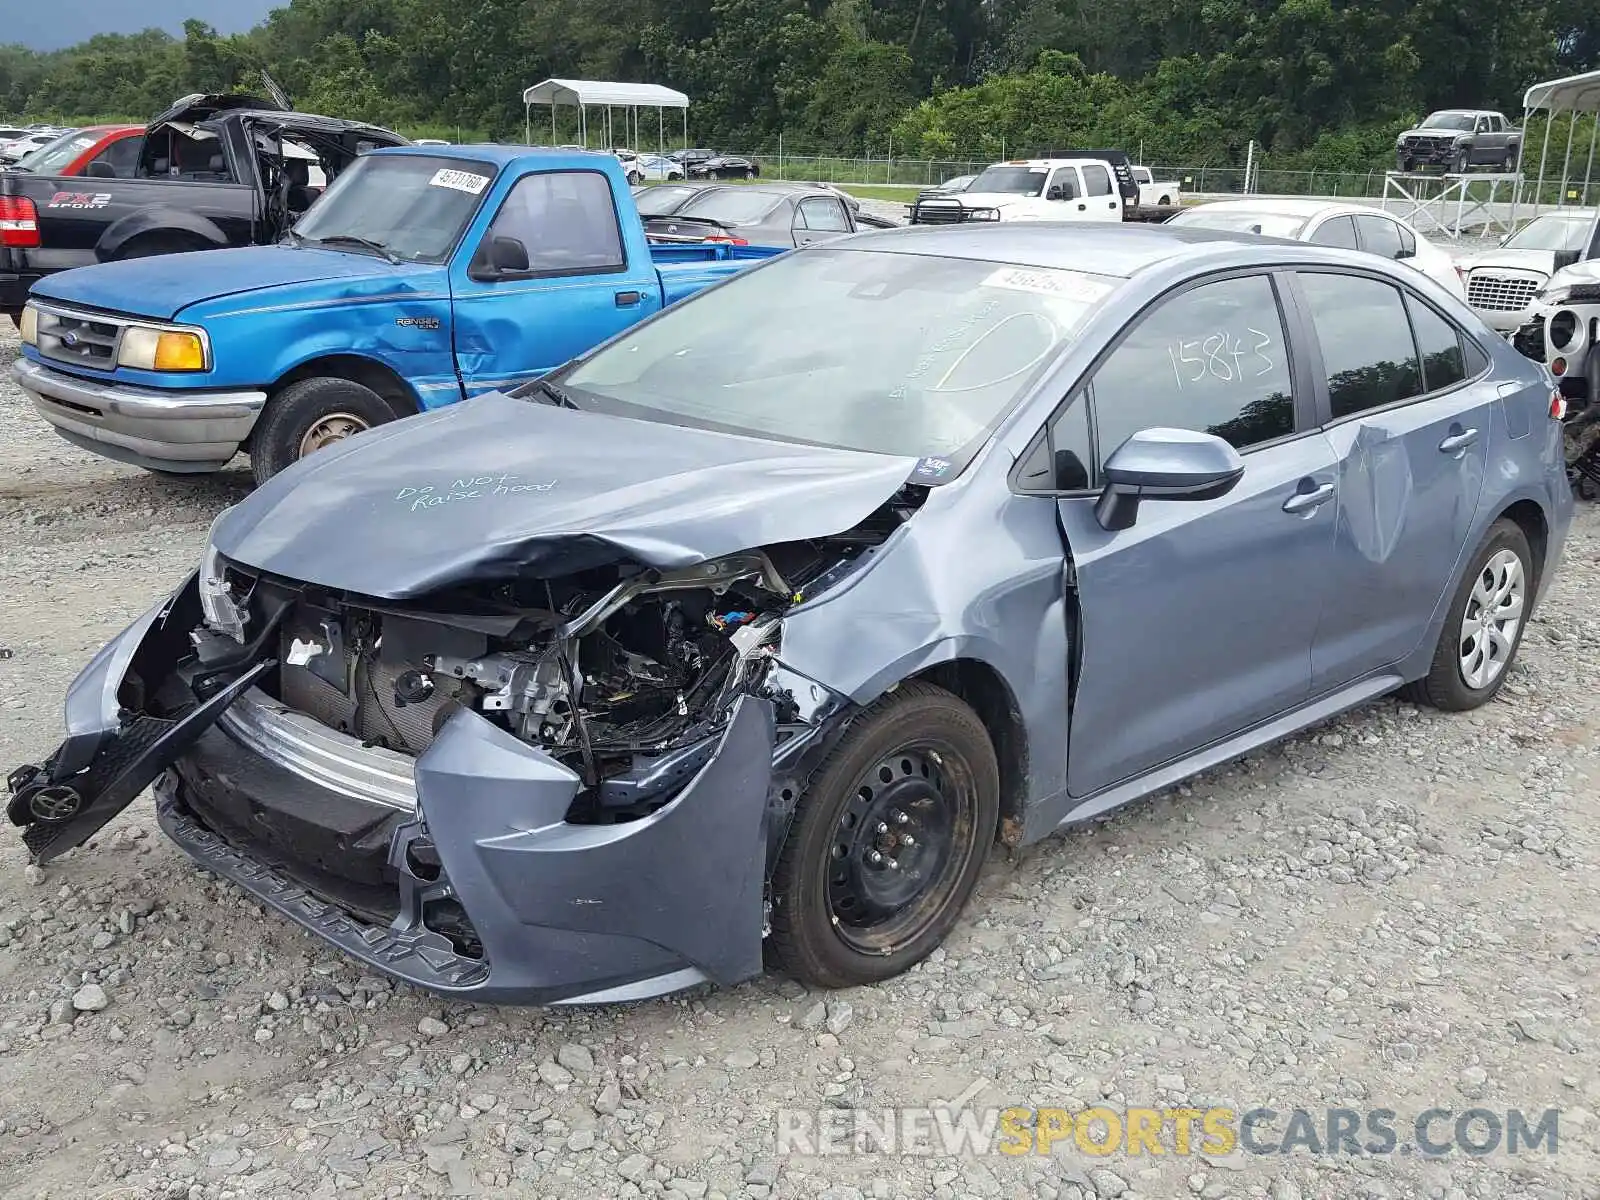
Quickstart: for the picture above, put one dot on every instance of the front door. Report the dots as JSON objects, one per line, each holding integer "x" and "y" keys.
{"x": 1197, "y": 622}
{"x": 1409, "y": 410}
{"x": 576, "y": 287}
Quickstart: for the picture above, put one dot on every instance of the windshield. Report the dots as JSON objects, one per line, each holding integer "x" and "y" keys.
{"x": 1554, "y": 231}
{"x": 415, "y": 206}
{"x": 734, "y": 206}
{"x": 659, "y": 201}
{"x": 892, "y": 353}
{"x": 1279, "y": 225}
{"x": 1022, "y": 181}
{"x": 52, "y": 156}
{"x": 1448, "y": 121}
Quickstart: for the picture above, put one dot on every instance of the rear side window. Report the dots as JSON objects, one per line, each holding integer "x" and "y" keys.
{"x": 565, "y": 220}
{"x": 1380, "y": 236}
{"x": 1211, "y": 359}
{"x": 1439, "y": 344}
{"x": 1365, "y": 336}
{"x": 1338, "y": 231}
{"x": 1096, "y": 180}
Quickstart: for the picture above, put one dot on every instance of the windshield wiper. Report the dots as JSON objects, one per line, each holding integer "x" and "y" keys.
{"x": 562, "y": 399}
{"x": 350, "y": 239}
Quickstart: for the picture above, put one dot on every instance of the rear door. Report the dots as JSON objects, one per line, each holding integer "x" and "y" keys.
{"x": 1408, "y": 406}
{"x": 1197, "y": 622}
{"x": 1100, "y": 193}
{"x": 1382, "y": 236}
{"x": 580, "y": 285}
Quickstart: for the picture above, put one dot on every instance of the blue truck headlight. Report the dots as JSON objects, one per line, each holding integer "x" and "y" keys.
{"x": 29, "y": 326}
{"x": 170, "y": 348}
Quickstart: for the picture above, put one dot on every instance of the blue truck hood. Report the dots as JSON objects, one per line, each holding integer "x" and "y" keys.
{"x": 495, "y": 488}
{"x": 164, "y": 285}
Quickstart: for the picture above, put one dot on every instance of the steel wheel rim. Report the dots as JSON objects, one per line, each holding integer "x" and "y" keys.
{"x": 905, "y": 836}
{"x": 334, "y": 427}
{"x": 1492, "y": 618}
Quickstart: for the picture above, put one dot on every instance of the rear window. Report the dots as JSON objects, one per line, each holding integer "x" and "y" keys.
{"x": 736, "y": 206}
{"x": 1236, "y": 220}
{"x": 659, "y": 201}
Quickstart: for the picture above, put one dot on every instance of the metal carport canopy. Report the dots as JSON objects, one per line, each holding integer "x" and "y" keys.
{"x": 1572, "y": 94}
{"x": 582, "y": 93}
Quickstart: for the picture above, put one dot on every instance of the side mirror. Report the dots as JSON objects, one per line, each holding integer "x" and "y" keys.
{"x": 508, "y": 256}
{"x": 1165, "y": 464}
{"x": 1056, "y": 193}
{"x": 100, "y": 170}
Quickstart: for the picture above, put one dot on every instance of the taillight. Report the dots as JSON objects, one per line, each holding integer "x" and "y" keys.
{"x": 1558, "y": 366}
{"x": 1558, "y": 406}
{"x": 19, "y": 222}
{"x": 727, "y": 241}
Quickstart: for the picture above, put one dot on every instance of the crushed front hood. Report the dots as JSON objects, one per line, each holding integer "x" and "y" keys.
{"x": 496, "y": 488}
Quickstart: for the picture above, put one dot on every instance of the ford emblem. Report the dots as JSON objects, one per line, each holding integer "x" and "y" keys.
{"x": 69, "y": 339}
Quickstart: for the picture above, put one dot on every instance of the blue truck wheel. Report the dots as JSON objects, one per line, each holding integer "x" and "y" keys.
{"x": 308, "y": 415}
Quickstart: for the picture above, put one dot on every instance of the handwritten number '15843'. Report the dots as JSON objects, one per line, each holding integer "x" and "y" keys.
{"x": 1223, "y": 356}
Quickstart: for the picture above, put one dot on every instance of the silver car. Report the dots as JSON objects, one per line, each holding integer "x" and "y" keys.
{"x": 750, "y": 632}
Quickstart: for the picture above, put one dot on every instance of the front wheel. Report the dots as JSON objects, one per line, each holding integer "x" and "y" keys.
{"x": 308, "y": 415}
{"x": 1483, "y": 629}
{"x": 887, "y": 843}
{"x": 1463, "y": 162}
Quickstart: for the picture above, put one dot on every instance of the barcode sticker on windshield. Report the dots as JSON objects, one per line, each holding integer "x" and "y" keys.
{"x": 462, "y": 181}
{"x": 1069, "y": 285}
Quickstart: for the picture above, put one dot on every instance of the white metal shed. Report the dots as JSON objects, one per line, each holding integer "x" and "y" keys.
{"x": 584, "y": 94}
{"x": 1573, "y": 95}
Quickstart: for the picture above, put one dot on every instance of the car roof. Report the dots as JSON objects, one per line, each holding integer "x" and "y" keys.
{"x": 1101, "y": 249}
{"x": 546, "y": 157}
{"x": 1286, "y": 206}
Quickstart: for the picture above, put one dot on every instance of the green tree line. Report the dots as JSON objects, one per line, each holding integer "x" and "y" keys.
{"x": 1317, "y": 83}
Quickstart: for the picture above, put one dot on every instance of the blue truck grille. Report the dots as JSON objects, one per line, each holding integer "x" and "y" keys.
{"x": 83, "y": 339}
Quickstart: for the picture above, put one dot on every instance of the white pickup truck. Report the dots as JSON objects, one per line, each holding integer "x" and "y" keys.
{"x": 1081, "y": 185}
{"x": 1153, "y": 194}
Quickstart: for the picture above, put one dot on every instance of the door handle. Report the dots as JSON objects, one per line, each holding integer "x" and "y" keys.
{"x": 1082, "y": 207}
{"x": 627, "y": 299}
{"x": 1307, "y": 501}
{"x": 1458, "y": 442}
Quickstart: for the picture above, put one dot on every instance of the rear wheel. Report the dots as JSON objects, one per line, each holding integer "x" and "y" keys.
{"x": 309, "y": 415}
{"x": 1483, "y": 629}
{"x": 1509, "y": 166}
{"x": 887, "y": 843}
{"x": 749, "y": 172}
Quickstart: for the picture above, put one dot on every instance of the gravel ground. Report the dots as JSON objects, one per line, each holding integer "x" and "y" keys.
{"x": 1397, "y": 910}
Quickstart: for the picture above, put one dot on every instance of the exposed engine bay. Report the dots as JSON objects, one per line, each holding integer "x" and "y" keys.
{"x": 624, "y": 674}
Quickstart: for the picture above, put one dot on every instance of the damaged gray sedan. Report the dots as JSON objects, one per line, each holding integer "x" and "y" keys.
{"x": 745, "y": 636}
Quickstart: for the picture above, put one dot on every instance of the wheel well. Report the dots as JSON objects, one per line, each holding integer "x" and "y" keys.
{"x": 981, "y": 686}
{"x": 1530, "y": 519}
{"x": 394, "y": 390}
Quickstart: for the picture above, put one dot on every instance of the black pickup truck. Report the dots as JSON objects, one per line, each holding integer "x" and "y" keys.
{"x": 214, "y": 171}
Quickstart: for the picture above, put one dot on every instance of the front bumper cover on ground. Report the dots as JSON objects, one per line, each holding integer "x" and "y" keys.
{"x": 556, "y": 912}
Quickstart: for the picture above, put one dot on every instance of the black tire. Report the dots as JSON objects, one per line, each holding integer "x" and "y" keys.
{"x": 1403, "y": 163}
{"x": 1444, "y": 686}
{"x": 1462, "y": 163}
{"x": 293, "y": 415}
{"x": 750, "y": 172}
{"x": 1164, "y": 201}
{"x": 947, "y": 774}
{"x": 1509, "y": 166}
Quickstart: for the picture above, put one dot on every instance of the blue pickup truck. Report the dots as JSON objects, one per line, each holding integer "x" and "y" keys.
{"x": 424, "y": 275}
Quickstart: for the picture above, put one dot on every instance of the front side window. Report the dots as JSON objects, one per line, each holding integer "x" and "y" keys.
{"x": 1380, "y": 236}
{"x": 824, "y": 214}
{"x": 1096, "y": 180}
{"x": 1212, "y": 359}
{"x": 1365, "y": 336}
{"x": 1066, "y": 180}
{"x": 564, "y": 220}
{"x": 911, "y": 354}
{"x": 414, "y": 206}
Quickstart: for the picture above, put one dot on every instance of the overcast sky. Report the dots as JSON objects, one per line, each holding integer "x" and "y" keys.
{"x": 49, "y": 26}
